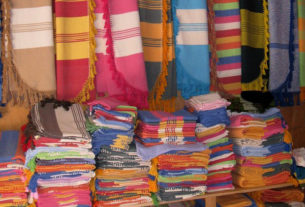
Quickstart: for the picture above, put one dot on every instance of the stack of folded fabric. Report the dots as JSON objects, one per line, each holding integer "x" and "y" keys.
{"x": 61, "y": 161}
{"x": 211, "y": 130}
{"x": 235, "y": 200}
{"x": 182, "y": 173}
{"x": 12, "y": 181}
{"x": 298, "y": 168}
{"x": 157, "y": 128}
{"x": 111, "y": 125}
{"x": 121, "y": 178}
{"x": 286, "y": 197}
{"x": 262, "y": 145}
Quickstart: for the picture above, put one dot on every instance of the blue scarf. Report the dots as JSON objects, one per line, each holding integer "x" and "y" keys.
{"x": 191, "y": 47}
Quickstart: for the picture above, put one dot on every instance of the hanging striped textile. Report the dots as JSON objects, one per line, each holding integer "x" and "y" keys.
{"x": 0, "y": 54}
{"x": 75, "y": 49}
{"x": 254, "y": 44}
{"x": 301, "y": 28}
{"x": 228, "y": 46}
{"x": 123, "y": 74}
{"x": 284, "y": 53}
{"x": 191, "y": 47}
{"x": 157, "y": 38}
{"x": 28, "y": 55}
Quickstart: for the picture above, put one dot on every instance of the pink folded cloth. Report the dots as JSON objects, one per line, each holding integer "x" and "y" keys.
{"x": 108, "y": 103}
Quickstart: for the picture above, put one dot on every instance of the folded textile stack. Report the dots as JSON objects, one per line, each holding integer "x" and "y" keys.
{"x": 111, "y": 125}
{"x": 262, "y": 145}
{"x": 211, "y": 130}
{"x": 12, "y": 180}
{"x": 286, "y": 197}
{"x": 235, "y": 200}
{"x": 61, "y": 162}
{"x": 182, "y": 173}
{"x": 121, "y": 178}
{"x": 157, "y": 128}
{"x": 298, "y": 167}
{"x": 121, "y": 175}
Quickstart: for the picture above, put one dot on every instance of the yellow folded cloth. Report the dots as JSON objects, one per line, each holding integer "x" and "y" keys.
{"x": 235, "y": 200}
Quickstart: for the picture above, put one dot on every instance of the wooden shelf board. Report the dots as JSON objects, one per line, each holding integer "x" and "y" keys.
{"x": 228, "y": 192}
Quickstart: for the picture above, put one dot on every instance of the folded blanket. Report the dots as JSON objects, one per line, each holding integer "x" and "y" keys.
{"x": 159, "y": 116}
{"x": 11, "y": 147}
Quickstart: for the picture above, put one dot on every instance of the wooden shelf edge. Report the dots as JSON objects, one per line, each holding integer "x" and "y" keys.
{"x": 227, "y": 192}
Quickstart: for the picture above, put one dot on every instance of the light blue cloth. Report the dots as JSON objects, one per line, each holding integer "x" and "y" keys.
{"x": 148, "y": 153}
{"x": 261, "y": 151}
{"x": 213, "y": 117}
{"x": 189, "y": 171}
{"x": 192, "y": 57}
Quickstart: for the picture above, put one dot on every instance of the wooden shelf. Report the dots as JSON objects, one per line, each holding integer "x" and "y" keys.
{"x": 211, "y": 197}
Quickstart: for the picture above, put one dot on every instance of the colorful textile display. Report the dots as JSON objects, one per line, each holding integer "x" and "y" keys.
{"x": 28, "y": 52}
{"x": 75, "y": 49}
{"x": 121, "y": 178}
{"x": 211, "y": 130}
{"x": 157, "y": 36}
{"x": 301, "y": 29}
{"x": 121, "y": 69}
{"x": 61, "y": 162}
{"x": 157, "y": 128}
{"x": 12, "y": 180}
{"x": 228, "y": 45}
{"x": 191, "y": 47}
{"x": 284, "y": 53}
{"x": 279, "y": 197}
{"x": 182, "y": 174}
{"x": 254, "y": 44}
{"x": 262, "y": 145}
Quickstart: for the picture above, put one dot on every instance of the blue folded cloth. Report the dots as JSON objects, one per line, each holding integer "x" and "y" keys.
{"x": 158, "y": 116}
{"x": 213, "y": 117}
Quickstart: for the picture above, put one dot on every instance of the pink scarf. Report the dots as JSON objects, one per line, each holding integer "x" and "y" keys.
{"x": 120, "y": 66}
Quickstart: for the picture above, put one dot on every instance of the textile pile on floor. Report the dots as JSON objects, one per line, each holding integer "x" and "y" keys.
{"x": 211, "y": 130}
{"x": 121, "y": 176}
{"x": 13, "y": 187}
{"x": 262, "y": 145}
{"x": 298, "y": 168}
{"x": 286, "y": 197}
{"x": 61, "y": 162}
{"x": 157, "y": 128}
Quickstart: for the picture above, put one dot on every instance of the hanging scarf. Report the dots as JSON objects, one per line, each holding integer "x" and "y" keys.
{"x": 228, "y": 48}
{"x": 284, "y": 62}
{"x": 27, "y": 51}
{"x": 0, "y": 54}
{"x": 157, "y": 37}
{"x": 191, "y": 47}
{"x": 301, "y": 28}
{"x": 75, "y": 49}
{"x": 121, "y": 72}
{"x": 254, "y": 44}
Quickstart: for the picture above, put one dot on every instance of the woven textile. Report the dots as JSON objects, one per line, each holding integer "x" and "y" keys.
{"x": 121, "y": 69}
{"x": 157, "y": 37}
{"x": 284, "y": 53}
{"x": 301, "y": 29}
{"x": 28, "y": 54}
{"x": 228, "y": 48}
{"x": 191, "y": 47}
{"x": 75, "y": 49}
{"x": 254, "y": 44}
{"x": 0, "y": 54}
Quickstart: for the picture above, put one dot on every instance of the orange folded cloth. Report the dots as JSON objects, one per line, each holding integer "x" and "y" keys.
{"x": 247, "y": 182}
{"x": 235, "y": 200}
{"x": 249, "y": 132}
{"x": 66, "y": 167}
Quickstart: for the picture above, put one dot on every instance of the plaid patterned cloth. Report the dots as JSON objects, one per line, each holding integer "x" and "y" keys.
{"x": 157, "y": 37}
{"x": 75, "y": 49}
{"x": 28, "y": 55}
